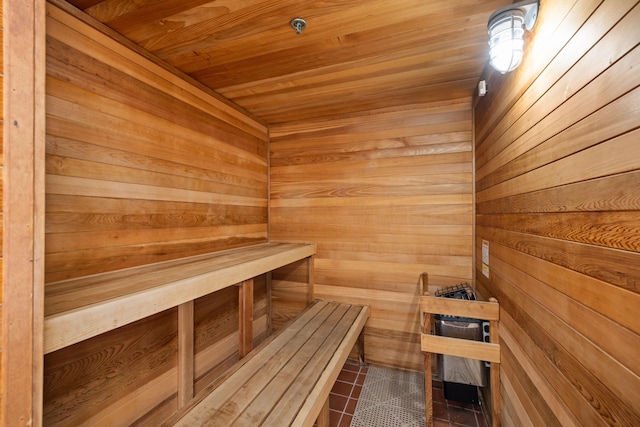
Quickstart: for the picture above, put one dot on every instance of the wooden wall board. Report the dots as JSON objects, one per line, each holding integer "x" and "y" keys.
{"x": 2, "y": 72}
{"x": 574, "y": 109}
{"x": 607, "y": 334}
{"x": 216, "y": 330}
{"x": 343, "y": 63}
{"x": 386, "y": 195}
{"x": 83, "y": 381}
{"x": 566, "y": 84}
{"x": 560, "y": 21}
{"x": 609, "y": 121}
{"x": 539, "y": 383}
{"x": 290, "y": 292}
{"x": 157, "y": 72}
{"x": 556, "y": 176}
{"x": 143, "y": 165}
{"x": 23, "y": 116}
{"x": 124, "y": 131}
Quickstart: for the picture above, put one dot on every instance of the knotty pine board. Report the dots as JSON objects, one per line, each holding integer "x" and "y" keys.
{"x": 556, "y": 178}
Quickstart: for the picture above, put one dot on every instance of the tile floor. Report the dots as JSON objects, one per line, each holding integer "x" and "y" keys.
{"x": 348, "y": 390}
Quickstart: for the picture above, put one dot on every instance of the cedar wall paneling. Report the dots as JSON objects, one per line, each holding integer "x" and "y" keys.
{"x": 142, "y": 166}
{"x": 558, "y": 200}
{"x": 1, "y": 184}
{"x": 386, "y": 195}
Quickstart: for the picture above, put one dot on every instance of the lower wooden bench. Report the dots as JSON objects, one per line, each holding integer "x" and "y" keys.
{"x": 287, "y": 379}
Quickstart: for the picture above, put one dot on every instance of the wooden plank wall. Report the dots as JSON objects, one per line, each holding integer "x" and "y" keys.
{"x": 1, "y": 187}
{"x": 142, "y": 166}
{"x": 386, "y": 195}
{"x": 558, "y": 200}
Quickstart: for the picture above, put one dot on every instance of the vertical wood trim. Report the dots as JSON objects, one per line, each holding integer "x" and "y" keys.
{"x": 494, "y": 338}
{"x": 323, "y": 416}
{"x": 428, "y": 375}
{"x": 311, "y": 278}
{"x": 245, "y": 317}
{"x": 185, "y": 353}
{"x": 269, "y": 304}
{"x": 23, "y": 225}
{"x": 268, "y": 184}
{"x": 474, "y": 250}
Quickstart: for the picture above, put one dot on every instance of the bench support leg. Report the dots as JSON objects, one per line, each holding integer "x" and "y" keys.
{"x": 311, "y": 296}
{"x": 323, "y": 416}
{"x": 360, "y": 345}
{"x": 428, "y": 375}
{"x": 245, "y": 316}
{"x": 185, "y": 353}
{"x": 495, "y": 375}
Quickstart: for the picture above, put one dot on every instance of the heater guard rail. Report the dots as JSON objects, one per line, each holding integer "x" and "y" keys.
{"x": 432, "y": 344}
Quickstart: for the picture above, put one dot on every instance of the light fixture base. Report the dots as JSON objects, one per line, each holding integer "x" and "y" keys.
{"x": 528, "y": 7}
{"x": 298, "y": 24}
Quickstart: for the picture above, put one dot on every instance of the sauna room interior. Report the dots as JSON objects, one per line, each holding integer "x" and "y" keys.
{"x": 374, "y": 136}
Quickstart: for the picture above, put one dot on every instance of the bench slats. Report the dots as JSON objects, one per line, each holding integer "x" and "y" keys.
{"x": 322, "y": 371}
{"x": 287, "y": 381}
{"x": 239, "y": 390}
{"x": 300, "y": 373}
{"x": 81, "y": 308}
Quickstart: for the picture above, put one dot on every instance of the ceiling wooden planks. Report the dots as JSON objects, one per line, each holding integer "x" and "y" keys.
{"x": 355, "y": 55}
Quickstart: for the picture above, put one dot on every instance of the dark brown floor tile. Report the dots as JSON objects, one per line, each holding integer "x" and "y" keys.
{"x": 440, "y": 411}
{"x": 440, "y": 423}
{"x": 351, "y": 406}
{"x": 346, "y": 420}
{"x": 438, "y": 395}
{"x": 360, "y": 379}
{"x": 351, "y": 368}
{"x": 334, "y": 418}
{"x": 463, "y": 405}
{"x": 357, "y": 389}
{"x": 337, "y": 402}
{"x": 462, "y": 417}
{"x": 347, "y": 376}
{"x": 342, "y": 388}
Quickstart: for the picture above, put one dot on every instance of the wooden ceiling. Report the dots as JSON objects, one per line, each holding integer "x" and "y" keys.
{"x": 355, "y": 55}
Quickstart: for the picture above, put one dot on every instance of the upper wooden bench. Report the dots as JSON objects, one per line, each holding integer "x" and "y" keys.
{"x": 286, "y": 380}
{"x": 80, "y": 308}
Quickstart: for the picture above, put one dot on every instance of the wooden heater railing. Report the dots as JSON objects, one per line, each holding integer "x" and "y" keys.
{"x": 432, "y": 344}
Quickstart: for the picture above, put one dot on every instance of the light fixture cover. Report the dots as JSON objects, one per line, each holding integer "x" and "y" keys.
{"x": 506, "y": 34}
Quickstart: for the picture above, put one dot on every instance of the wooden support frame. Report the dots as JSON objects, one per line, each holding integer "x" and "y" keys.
{"x": 245, "y": 317}
{"x": 323, "y": 416}
{"x": 185, "y": 353}
{"x": 311, "y": 278}
{"x": 431, "y": 344}
{"x": 24, "y": 36}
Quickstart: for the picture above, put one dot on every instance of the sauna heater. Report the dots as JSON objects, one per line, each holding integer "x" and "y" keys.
{"x": 461, "y": 376}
